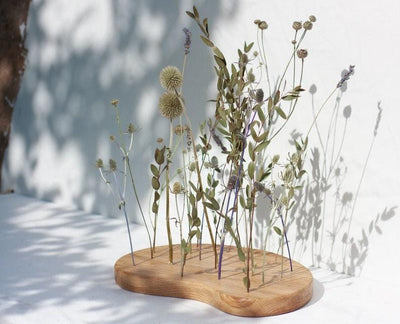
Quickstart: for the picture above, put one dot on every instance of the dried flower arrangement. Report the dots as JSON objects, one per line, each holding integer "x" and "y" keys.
{"x": 218, "y": 199}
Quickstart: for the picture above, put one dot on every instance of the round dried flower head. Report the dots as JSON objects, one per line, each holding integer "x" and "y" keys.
{"x": 307, "y": 25}
{"x": 131, "y": 128}
{"x": 312, "y": 18}
{"x": 113, "y": 165}
{"x": 176, "y": 188}
{"x": 160, "y": 140}
{"x": 262, "y": 25}
{"x": 179, "y": 130}
{"x": 297, "y": 25}
{"x": 99, "y": 163}
{"x": 255, "y": 53}
{"x": 257, "y": 21}
{"x": 115, "y": 102}
{"x": 171, "y": 78}
{"x": 302, "y": 53}
{"x": 170, "y": 105}
{"x": 112, "y": 138}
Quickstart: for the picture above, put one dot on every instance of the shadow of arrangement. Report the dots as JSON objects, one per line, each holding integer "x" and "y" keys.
{"x": 52, "y": 260}
{"x": 64, "y": 102}
{"x": 328, "y": 237}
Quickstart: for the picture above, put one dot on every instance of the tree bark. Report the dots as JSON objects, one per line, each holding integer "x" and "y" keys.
{"x": 13, "y": 18}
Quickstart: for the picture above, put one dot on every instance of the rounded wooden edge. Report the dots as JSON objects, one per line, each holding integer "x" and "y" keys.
{"x": 158, "y": 277}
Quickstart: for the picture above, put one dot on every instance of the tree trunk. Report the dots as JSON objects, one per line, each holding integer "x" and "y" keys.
{"x": 13, "y": 17}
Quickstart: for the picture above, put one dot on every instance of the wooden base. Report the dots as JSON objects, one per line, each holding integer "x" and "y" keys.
{"x": 277, "y": 295}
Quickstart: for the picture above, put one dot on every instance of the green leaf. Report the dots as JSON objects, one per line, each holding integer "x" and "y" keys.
{"x": 247, "y": 48}
{"x": 195, "y": 12}
{"x": 193, "y": 186}
{"x": 260, "y": 147}
{"x": 155, "y": 183}
{"x": 221, "y": 63}
{"x": 278, "y": 230}
{"x": 191, "y": 15}
{"x": 207, "y": 41}
{"x": 219, "y": 54}
{"x": 154, "y": 208}
{"x": 154, "y": 170}
{"x": 277, "y": 97}
{"x": 209, "y": 205}
{"x": 159, "y": 155}
{"x": 246, "y": 282}
{"x": 196, "y": 221}
{"x": 251, "y": 169}
{"x": 241, "y": 255}
{"x": 280, "y": 112}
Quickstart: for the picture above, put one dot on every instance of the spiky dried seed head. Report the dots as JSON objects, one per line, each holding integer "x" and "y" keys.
{"x": 170, "y": 106}
{"x": 171, "y": 78}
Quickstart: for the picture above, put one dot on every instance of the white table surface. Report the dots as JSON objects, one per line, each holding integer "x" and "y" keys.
{"x": 56, "y": 266}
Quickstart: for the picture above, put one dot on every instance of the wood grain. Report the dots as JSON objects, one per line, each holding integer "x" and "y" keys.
{"x": 277, "y": 295}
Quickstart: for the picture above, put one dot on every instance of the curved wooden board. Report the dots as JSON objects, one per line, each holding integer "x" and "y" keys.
{"x": 277, "y": 295}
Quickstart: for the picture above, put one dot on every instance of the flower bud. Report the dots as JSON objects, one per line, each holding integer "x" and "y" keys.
{"x": 302, "y": 53}
{"x": 308, "y": 25}
{"x": 296, "y": 25}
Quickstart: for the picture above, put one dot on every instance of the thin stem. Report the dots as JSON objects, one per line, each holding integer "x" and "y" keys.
{"x": 170, "y": 248}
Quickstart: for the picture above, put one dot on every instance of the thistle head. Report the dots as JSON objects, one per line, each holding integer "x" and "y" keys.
{"x": 171, "y": 78}
{"x": 170, "y": 105}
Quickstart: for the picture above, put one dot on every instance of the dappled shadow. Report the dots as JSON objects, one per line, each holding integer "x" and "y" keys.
{"x": 58, "y": 262}
{"x": 77, "y": 63}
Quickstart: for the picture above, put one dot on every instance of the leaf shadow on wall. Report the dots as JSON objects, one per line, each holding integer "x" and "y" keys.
{"x": 80, "y": 59}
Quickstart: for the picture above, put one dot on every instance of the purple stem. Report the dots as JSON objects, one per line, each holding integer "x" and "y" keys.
{"x": 287, "y": 242}
{"x": 221, "y": 251}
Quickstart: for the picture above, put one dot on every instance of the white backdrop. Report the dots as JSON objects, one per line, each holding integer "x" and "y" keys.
{"x": 82, "y": 54}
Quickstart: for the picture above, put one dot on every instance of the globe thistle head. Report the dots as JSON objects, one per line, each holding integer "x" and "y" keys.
{"x": 302, "y": 53}
{"x": 312, "y": 18}
{"x": 171, "y": 78}
{"x": 308, "y": 25}
{"x": 297, "y": 25}
{"x": 170, "y": 105}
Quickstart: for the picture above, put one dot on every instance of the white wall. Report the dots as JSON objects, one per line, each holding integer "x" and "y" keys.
{"x": 82, "y": 54}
